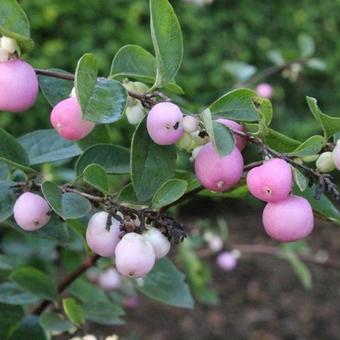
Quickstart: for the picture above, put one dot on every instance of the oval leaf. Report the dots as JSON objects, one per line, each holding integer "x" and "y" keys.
{"x": 113, "y": 159}
{"x": 151, "y": 164}
{"x": 96, "y": 176}
{"x": 169, "y": 192}
{"x": 167, "y": 41}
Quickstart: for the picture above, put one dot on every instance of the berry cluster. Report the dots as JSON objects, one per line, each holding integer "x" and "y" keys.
{"x": 271, "y": 182}
{"x": 135, "y": 254}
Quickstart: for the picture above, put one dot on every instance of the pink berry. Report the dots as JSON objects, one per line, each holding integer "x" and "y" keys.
{"x": 159, "y": 242}
{"x": 163, "y": 123}
{"x": 19, "y": 86}
{"x": 31, "y": 211}
{"x": 218, "y": 173}
{"x": 109, "y": 279}
{"x": 288, "y": 220}
{"x": 226, "y": 260}
{"x": 240, "y": 141}
{"x": 272, "y": 181}
{"x": 100, "y": 240}
{"x": 135, "y": 256}
{"x": 264, "y": 90}
{"x": 67, "y": 119}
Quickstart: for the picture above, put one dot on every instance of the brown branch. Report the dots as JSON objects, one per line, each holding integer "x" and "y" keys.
{"x": 88, "y": 263}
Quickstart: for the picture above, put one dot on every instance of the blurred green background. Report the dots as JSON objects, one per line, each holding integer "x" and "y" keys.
{"x": 215, "y": 32}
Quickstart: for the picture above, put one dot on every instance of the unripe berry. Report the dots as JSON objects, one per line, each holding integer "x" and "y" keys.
{"x": 336, "y": 155}
{"x": 226, "y": 261}
{"x": 134, "y": 256}
{"x": 325, "y": 162}
{"x": 67, "y": 119}
{"x": 109, "y": 279}
{"x": 218, "y": 173}
{"x": 9, "y": 44}
{"x": 159, "y": 242}
{"x": 18, "y": 86}
{"x": 264, "y": 90}
{"x": 135, "y": 113}
{"x": 272, "y": 181}
{"x": 215, "y": 242}
{"x": 240, "y": 140}
{"x": 190, "y": 124}
{"x": 100, "y": 240}
{"x": 195, "y": 152}
{"x": 31, "y": 211}
{"x": 185, "y": 141}
{"x": 163, "y": 123}
{"x": 3, "y": 55}
{"x": 288, "y": 220}
{"x": 311, "y": 158}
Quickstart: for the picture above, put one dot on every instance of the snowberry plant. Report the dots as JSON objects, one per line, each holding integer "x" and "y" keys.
{"x": 107, "y": 222}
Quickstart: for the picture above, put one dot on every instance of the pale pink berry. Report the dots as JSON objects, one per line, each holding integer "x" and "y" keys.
{"x": 19, "y": 86}
{"x": 218, "y": 173}
{"x": 240, "y": 140}
{"x": 226, "y": 261}
{"x": 101, "y": 240}
{"x": 67, "y": 119}
{"x": 264, "y": 90}
{"x": 190, "y": 124}
{"x": 163, "y": 123}
{"x": 288, "y": 220}
{"x": 109, "y": 279}
{"x": 272, "y": 181}
{"x": 31, "y": 211}
{"x": 159, "y": 242}
{"x": 135, "y": 256}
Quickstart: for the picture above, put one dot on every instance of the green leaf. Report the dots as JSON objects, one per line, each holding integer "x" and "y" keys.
{"x": 102, "y": 100}
{"x": 85, "y": 291}
{"x": 264, "y": 110}
{"x": 220, "y": 135}
{"x": 104, "y": 313}
{"x": 167, "y": 41}
{"x": 99, "y": 135}
{"x": 133, "y": 61}
{"x": 239, "y": 70}
{"x": 29, "y": 329}
{"x": 113, "y": 158}
{"x": 309, "y": 147}
{"x": 300, "y": 269}
{"x": 13, "y": 154}
{"x": 55, "y": 323}
{"x": 10, "y": 316}
{"x": 5, "y": 172}
{"x": 7, "y": 200}
{"x": 55, "y": 230}
{"x": 36, "y": 282}
{"x": 128, "y": 195}
{"x": 323, "y": 206}
{"x": 44, "y": 146}
{"x": 300, "y": 179}
{"x": 55, "y": 89}
{"x": 169, "y": 192}
{"x": 166, "y": 284}
{"x": 74, "y": 311}
{"x": 14, "y": 23}
{"x": 12, "y": 294}
{"x": 96, "y": 176}
{"x": 237, "y": 104}
{"x": 306, "y": 45}
{"x": 151, "y": 164}
{"x": 67, "y": 205}
{"x": 330, "y": 125}
{"x": 281, "y": 142}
